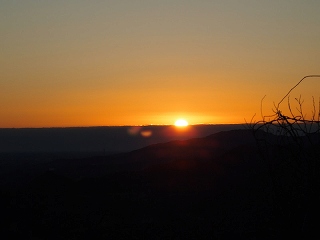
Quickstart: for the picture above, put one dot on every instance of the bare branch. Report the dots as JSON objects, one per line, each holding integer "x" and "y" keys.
{"x": 309, "y": 76}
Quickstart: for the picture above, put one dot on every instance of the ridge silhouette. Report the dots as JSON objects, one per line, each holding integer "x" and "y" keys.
{"x": 213, "y": 187}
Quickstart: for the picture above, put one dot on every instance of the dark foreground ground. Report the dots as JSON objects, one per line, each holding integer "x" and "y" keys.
{"x": 217, "y": 187}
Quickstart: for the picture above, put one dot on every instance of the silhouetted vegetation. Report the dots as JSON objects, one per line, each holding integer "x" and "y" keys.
{"x": 290, "y": 145}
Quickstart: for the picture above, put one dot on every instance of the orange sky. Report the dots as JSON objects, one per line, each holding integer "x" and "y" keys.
{"x": 98, "y": 63}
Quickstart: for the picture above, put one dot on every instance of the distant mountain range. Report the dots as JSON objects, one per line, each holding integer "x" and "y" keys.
{"x": 101, "y": 140}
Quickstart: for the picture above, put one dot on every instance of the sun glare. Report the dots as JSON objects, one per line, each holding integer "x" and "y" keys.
{"x": 181, "y": 123}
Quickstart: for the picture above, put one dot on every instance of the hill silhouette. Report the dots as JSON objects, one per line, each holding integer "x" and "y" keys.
{"x": 216, "y": 187}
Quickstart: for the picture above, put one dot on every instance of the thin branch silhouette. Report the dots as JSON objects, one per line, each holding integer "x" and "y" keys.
{"x": 308, "y": 76}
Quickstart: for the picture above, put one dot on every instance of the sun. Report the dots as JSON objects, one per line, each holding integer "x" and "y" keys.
{"x": 181, "y": 123}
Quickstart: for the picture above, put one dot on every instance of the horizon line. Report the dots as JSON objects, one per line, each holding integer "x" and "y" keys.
{"x": 142, "y": 125}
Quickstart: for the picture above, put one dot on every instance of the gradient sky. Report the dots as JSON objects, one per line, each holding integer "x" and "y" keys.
{"x": 137, "y": 62}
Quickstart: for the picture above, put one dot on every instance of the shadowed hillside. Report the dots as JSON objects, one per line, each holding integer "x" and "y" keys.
{"x": 216, "y": 187}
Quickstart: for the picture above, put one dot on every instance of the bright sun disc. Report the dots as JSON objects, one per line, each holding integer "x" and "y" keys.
{"x": 181, "y": 123}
